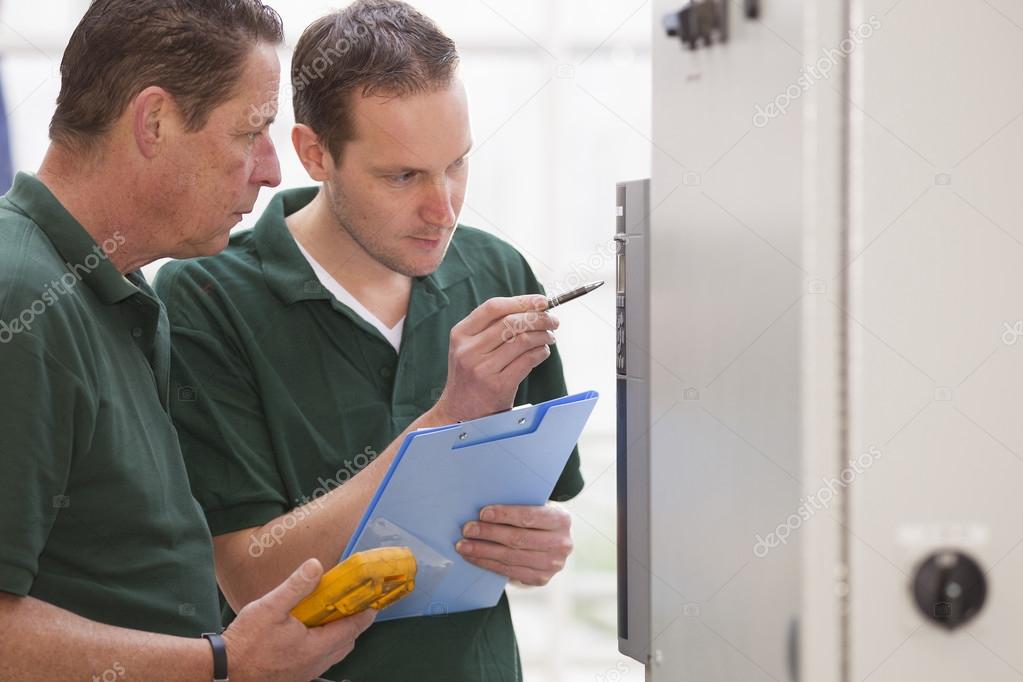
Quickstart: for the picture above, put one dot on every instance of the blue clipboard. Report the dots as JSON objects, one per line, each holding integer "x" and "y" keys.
{"x": 442, "y": 477}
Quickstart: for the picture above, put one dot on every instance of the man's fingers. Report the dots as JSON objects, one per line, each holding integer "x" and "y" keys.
{"x": 521, "y": 366}
{"x": 525, "y": 558}
{"x": 519, "y": 538}
{"x": 498, "y": 359}
{"x": 508, "y": 329}
{"x": 347, "y": 629}
{"x": 338, "y": 637}
{"x": 298, "y": 585}
{"x": 495, "y": 308}
{"x": 526, "y": 576}
{"x": 541, "y": 517}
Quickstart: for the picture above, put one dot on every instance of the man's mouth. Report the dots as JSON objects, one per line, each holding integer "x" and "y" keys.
{"x": 427, "y": 242}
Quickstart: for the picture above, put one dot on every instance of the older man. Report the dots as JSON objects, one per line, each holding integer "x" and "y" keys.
{"x": 106, "y": 561}
{"x": 353, "y": 312}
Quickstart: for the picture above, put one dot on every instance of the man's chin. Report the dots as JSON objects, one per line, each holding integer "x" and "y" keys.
{"x": 423, "y": 265}
{"x": 420, "y": 269}
{"x": 210, "y": 247}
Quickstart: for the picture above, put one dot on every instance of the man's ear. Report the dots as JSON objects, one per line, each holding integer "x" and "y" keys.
{"x": 152, "y": 112}
{"x": 313, "y": 155}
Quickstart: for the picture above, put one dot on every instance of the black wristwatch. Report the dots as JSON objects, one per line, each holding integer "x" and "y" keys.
{"x": 219, "y": 656}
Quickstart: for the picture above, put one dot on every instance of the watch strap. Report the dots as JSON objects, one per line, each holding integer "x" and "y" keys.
{"x": 219, "y": 656}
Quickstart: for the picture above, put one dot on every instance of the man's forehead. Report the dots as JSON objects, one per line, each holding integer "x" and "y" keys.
{"x": 424, "y": 123}
{"x": 258, "y": 93}
{"x": 252, "y": 110}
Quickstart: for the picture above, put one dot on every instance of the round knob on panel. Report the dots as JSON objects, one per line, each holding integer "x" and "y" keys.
{"x": 949, "y": 588}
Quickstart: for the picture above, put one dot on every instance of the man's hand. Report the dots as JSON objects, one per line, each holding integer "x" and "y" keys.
{"x": 527, "y": 544}
{"x": 266, "y": 643}
{"x": 491, "y": 351}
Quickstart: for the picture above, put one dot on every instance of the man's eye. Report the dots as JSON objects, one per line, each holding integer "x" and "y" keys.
{"x": 404, "y": 178}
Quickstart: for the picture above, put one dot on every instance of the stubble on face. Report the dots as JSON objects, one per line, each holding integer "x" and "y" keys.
{"x": 405, "y": 226}
{"x": 370, "y": 238}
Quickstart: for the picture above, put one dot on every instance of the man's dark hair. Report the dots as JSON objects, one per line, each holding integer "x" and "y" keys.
{"x": 372, "y": 47}
{"x": 194, "y": 49}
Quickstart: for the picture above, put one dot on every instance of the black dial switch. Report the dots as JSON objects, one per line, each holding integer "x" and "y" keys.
{"x": 949, "y": 588}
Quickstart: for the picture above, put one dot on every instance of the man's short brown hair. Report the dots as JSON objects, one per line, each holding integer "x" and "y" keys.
{"x": 372, "y": 47}
{"x": 194, "y": 49}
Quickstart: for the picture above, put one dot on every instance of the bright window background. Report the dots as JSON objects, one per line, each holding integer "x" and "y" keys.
{"x": 560, "y": 103}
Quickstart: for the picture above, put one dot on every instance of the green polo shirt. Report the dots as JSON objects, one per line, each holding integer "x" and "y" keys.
{"x": 281, "y": 393}
{"x": 96, "y": 515}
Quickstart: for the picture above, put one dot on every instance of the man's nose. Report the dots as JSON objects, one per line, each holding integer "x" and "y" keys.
{"x": 267, "y": 171}
{"x": 438, "y": 209}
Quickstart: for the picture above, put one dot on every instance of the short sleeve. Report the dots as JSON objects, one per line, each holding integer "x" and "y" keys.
{"x": 48, "y": 416}
{"x": 216, "y": 408}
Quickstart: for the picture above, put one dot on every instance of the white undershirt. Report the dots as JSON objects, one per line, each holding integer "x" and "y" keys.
{"x": 392, "y": 334}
